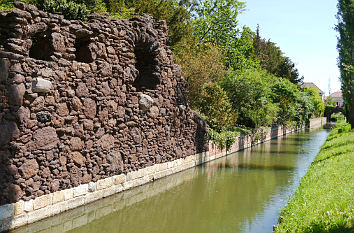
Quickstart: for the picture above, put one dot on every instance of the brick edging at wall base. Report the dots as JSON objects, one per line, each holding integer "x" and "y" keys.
{"x": 25, "y": 212}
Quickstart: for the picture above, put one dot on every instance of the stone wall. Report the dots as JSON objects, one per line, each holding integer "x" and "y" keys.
{"x": 317, "y": 122}
{"x": 83, "y": 101}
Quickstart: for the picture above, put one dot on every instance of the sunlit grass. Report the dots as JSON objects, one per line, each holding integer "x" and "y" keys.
{"x": 324, "y": 201}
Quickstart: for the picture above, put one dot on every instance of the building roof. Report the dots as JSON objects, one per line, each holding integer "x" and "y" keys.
{"x": 311, "y": 84}
{"x": 337, "y": 94}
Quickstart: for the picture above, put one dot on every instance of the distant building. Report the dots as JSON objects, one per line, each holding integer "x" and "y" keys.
{"x": 311, "y": 84}
{"x": 337, "y": 97}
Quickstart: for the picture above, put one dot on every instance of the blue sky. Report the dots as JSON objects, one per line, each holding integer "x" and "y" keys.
{"x": 303, "y": 29}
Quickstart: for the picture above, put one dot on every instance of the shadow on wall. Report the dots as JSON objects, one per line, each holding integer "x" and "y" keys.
{"x": 8, "y": 172}
{"x": 274, "y": 132}
{"x": 12, "y": 116}
{"x": 200, "y": 135}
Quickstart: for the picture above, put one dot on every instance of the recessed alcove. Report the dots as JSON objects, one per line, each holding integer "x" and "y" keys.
{"x": 84, "y": 51}
{"x": 41, "y": 48}
{"x": 145, "y": 63}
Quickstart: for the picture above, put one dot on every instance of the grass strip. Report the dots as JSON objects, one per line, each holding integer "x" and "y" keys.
{"x": 324, "y": 201}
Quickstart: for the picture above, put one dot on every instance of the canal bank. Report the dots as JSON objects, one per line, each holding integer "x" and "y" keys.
{"x": 324, "y": 200}
{"x": 26, "y": 212}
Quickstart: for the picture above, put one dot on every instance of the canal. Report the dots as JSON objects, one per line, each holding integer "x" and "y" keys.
{"x": 243, "y": 192}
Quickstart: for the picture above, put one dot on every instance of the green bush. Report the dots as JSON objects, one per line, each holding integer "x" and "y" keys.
{"x": 69, "y": 9}
{"x": 328, "y": 109}
{"x": 286, "y": 95}
{"x": 5, "y": 5}
{"x": 200, "y": 64}
{"x": 223, "y": 139}
{"x": 319, "y": 108}
{"x": 250, "y": 95}
{"x": 215, "y": 107}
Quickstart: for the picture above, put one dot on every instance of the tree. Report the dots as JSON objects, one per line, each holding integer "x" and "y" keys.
{"x": 315, "y": 98}
{"x": 345, "y": 46}
{"x": 273, "y": 59}
{"x": 215, "y": 107}
{"x": 250, "y": 96}
{"x": 216, "y": 22}
{"x": 286, "y": 95}
{"x": 200, "y": 64}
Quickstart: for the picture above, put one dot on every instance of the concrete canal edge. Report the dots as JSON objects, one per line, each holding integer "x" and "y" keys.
{"x": 25, "y": 212}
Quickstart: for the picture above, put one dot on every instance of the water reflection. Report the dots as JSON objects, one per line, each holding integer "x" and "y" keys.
{"x": 242, "y": 192}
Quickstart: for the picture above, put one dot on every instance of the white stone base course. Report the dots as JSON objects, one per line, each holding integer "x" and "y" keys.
{"x": 24, "y": 212}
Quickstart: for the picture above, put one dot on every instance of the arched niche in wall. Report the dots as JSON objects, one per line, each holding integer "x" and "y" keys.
{"x": 146, "y": 63}
{"x": 85, "y": 50}
{"x": 41, "y": 48}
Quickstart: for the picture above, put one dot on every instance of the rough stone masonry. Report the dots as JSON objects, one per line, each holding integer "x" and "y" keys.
{"x": 83, "y": 101}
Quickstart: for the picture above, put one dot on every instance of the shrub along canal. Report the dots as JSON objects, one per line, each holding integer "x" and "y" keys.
{"x": 243, "y": 192}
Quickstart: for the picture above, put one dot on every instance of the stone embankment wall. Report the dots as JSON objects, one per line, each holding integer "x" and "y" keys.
{"x": 317, "y": 122}
{"x": 83, "y": 101}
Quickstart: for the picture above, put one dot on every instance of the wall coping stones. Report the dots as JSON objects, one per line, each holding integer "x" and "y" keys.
{"x": 25, "y": 212}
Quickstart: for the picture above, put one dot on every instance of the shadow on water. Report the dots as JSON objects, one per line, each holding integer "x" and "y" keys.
{"x": 274, "y": 167}
{"x": 288, "y": 152}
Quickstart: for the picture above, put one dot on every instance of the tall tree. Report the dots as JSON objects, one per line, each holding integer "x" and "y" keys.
{"x": 273, "y": 59}
{"x": 215, "y": 21}
{"x": 345, "y": 46}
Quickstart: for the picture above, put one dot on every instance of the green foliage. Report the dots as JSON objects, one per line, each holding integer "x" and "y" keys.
{"x": 123, "y": 13}
{"x": 305, "y": 108}
{"x": 250, "y": 96}
{"x": 240, "y": 52}
{"x": 223, "y": 139}
{"x": 200, "y": 64}
{"x": 6, "y": 5}
{"x": 329, "y": 101}
{"x": 345, "y": 46}
{"x": 328, "y": 109}
{"x": 215, "y": 21}
{"x": 324, "y": 200}
{"x": 312, "y": 92}
{"x": 273, "y": 60}
{"x": 287, "y": 96}
{"x": 341, "y": 126}
{"x": 173, "y": 11}
{"x": 215, "y": 107}
{"x": 69, "y": 9}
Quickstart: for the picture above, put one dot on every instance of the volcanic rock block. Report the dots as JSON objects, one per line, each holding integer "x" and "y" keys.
{"x": 41, "y": 85}
{"x": 145, "y": 102}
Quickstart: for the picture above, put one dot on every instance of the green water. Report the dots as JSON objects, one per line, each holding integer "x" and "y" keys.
{"x": 243, "y": 192}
